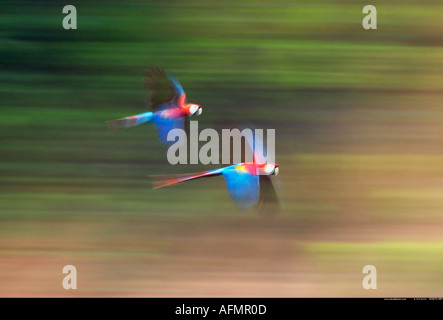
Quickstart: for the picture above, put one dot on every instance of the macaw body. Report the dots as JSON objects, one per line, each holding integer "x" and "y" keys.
{"x": 248, "y": 183}
{"x": 165, "y": 120}
{"x": 243, "y": 181}
{"x": 170, "y": 109}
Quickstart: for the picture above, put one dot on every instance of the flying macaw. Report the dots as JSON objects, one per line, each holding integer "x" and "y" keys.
{"x": 248, "y": 183}
{"x": 168, "y": 103}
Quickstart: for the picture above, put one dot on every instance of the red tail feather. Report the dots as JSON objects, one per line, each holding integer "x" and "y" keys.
{"x": 160, "y": 181}
{"x": 164, "y": 180}
{"x": 164, "y": 183}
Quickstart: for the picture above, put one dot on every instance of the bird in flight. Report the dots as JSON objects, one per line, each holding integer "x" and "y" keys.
{"x": 248, "y": 183}
{"x": 169, "y": 107}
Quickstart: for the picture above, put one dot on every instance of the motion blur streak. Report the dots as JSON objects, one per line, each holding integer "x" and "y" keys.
{"x": 359, "y": 132}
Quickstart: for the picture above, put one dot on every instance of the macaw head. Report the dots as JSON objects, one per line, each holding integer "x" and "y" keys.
{"x": 194, "y": 109}
{"x": 271, "y": 169}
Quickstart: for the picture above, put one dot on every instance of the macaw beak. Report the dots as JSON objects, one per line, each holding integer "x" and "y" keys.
{"x": 199, "y": 111}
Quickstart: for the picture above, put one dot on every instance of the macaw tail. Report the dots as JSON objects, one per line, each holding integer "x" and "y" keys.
{"x": 160, "y": 181}
{"x": 131, "y": 121}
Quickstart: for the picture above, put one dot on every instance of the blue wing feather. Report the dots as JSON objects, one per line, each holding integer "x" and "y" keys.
{"x": 243, "y": 187}
{"x": 256, "y": 144}
{"x": 177, "y": 86}
{"x": 164, "y": 125}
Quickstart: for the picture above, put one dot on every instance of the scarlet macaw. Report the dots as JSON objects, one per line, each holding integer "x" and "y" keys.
{"x": 248, "y": 183}
{"x": 168, "y": 102}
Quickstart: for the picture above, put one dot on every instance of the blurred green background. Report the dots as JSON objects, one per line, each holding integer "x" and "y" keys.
{"x": 358, "y": 121}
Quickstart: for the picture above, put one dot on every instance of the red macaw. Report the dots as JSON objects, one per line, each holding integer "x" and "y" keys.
{"x": 248, "y": 183}
{"x": 168, "y": 101}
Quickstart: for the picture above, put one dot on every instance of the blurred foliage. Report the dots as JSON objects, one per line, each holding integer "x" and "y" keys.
{"x": 357, "y": 114}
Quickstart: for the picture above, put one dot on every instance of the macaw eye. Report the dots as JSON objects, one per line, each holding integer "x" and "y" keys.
{"x": 193, "y": 109}
{"x": 270, "y": 169}
{"x": 276, "y": 170}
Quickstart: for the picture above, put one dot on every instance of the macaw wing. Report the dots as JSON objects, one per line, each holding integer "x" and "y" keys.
{"x": 243, "y": 187}
{"x": 269, "y": 203}
{"x": 162, "y": 89}
{"x": 256, "y": 144}
{"x": 164, "y": 125}
{"x": 180, "y": 94}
